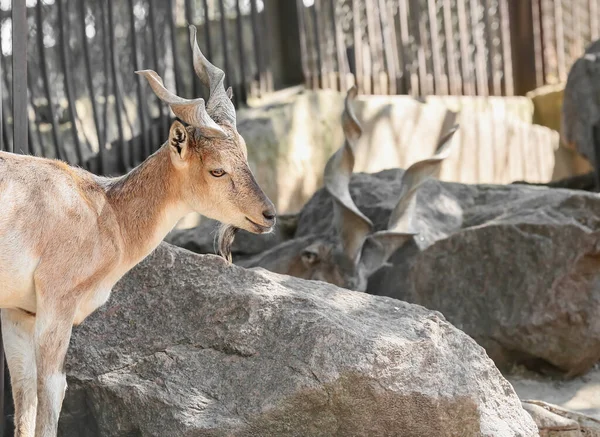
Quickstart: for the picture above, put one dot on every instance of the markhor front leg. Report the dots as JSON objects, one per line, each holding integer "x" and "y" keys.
{"x": 18, "y": 336}
{"x": 52, "y": 334}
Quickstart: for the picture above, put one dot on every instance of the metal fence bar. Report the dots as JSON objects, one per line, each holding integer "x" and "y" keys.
{"x": 68, "y": 81}
{"x": 321, "y": 60}
{"x": 124, "y": 164}
{"x": 468, "y": 70}
{"x": 303, "y": 41}
{"x": 241, "y": 91}
{"x": 339, "y": 74}
{"x": 420, "y": 62}
{"x": 388, "y": 24}
{"x": 189, "y": 16}
{"x": 141, "y": 107}
{"x": 380, "y": 72}
{"x": 538, "y": 40}
{"x": 441, "y": 82}
{"x": 266, "y": 48}
{"x": 8, "y": 128}
{"x": 45, "y": 80}
{"x": 371, "y": 81}
{"x": 405, "y": 46}
{"x": 224, "y": 38}
{"x": 163, "y": 120}
{"x": 478, "y": 30}
{"x": 106, "y": 74}
{"x": 88, "y": 70}
{"x": 560, "y": 40}
{"x": 358, "y": 44}
{"x": 8, "y": 110}
{"x": 40, "y": 138}
{"x": 19, "y": 73}
{"x": 3, "y": 144}
{"x": 171, "y": 25}
{"x": 207, "y": 29}
{"x": 257, "y": 45}
{"x": 326, "y": 58}
{"x": 454, "y": 79}
{"x": 505, "y": 44}
{"x": 493, "y": 78}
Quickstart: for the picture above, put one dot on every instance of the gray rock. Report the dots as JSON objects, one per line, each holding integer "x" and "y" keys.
{"x": 191, "y": 346}
{"x": 516, "y": 267}
{"x": 581, "y": 103}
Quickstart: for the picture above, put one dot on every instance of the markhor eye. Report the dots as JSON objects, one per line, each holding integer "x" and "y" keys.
{"x": 217, "y": 173}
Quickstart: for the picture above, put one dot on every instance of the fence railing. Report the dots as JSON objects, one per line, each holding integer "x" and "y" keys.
{"x": 443, "y": 47}
{"x": 85, "y": 104}
{"x": 562, "y": 29}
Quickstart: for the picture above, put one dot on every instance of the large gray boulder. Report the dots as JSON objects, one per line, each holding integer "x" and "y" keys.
{"x": 516, "y": 267}
{"x": 581, "y": 103}
{"x": 191, "y": 346}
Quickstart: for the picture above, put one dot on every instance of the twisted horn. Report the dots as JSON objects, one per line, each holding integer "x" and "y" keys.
{"x": 219, "y": 105}
{"x": 352, "y": 225}
{"x": 381, "y": 245}
{"x": 193, "y": 112}
{"x": 413, "y": 177}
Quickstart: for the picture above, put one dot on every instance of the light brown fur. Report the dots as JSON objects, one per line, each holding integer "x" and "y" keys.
{"x": 67, "y": 236}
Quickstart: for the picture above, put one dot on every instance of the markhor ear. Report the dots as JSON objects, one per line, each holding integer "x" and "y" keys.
{"x": 230, "y": 93}
{"x": 178, "y": 140}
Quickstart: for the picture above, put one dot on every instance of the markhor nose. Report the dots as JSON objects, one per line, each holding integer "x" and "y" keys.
{"x": 269, "y": 214}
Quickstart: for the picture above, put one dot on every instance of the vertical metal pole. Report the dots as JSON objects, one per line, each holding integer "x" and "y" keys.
{"x": 224, "y": 40}
{"x": 20, "y": 123}
{"x": 257, "y": 45}
{"x": 164, "y": 119}
{"x": 145, "y": 148}
{"x": 63, "y": 41}
{"x": 243, "y": 94}
{"x": 124, "y": 156}
{"x": 39, "y": 18}
{"x": 303, "y": 43}
{"x": 189, "y": 16}
{"x": 207, "y": 29}
{"x": 19, "y": 66}
{"x": 171, "y": 24}
{"x": 89, "y": 74}
{"x": 2, "y": 146}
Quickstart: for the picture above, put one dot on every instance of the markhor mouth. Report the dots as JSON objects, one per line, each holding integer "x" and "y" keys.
{"x": 260, "y": 227}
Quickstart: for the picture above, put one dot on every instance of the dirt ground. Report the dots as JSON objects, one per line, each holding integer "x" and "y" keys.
{"x": 580, "y": 394}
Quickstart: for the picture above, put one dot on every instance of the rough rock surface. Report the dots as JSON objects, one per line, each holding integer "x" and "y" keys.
{"x": 581, "y": 102}
{"x": 191, "y": 346}
{"x": 516, "y": 267}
